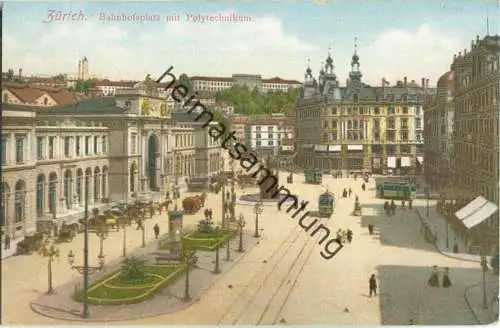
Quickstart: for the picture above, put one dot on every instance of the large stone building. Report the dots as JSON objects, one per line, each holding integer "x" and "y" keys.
{"x": 359, "y": 128}
{"x": 476, "y": 125}
{"x": 116, "y": 148}
{"x": 215, "y": 84}
{"x": 438, "y": 131}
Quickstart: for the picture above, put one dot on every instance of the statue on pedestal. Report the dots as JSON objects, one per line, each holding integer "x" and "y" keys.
{"x": 269, "y": 186}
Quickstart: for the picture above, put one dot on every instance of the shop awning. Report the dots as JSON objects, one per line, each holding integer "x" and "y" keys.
{"x": 405, "y": 162}
{"x": 480, "y": 215}
{"x": 391, "y": 162}
{"x": 470, "y": 208}
{"x": 334, "y": 148}
{"x": 354, "y": 147}
{"x": 321, "y": 147}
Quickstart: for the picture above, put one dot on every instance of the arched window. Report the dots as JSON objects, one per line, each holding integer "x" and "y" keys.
{"x": 79, "y": 184}
{"x": 132, "y": 177}
{"x": 19, "y": 210}
{"x": 68, "y": 186}
{"x": 104, "y": 181}
{"x": 4, "y": 204}
{"x": 53, "y": 193}
{"x": 97, "y": 184}
{"x": 40, "y": 194}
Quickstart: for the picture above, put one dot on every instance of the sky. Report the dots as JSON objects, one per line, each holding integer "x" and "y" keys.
{"x": 416, "y": 38}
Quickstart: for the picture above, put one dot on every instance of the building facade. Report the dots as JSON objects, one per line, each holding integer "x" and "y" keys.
{"x": 215, "y": 84}
{"x": 359, "y": 128}
{"x": 438, "y": 130}
{"x": 116, "y": 149}
{"x": 476, "y": 126}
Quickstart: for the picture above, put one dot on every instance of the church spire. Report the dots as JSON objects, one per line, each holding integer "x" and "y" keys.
{"x": 355, "y": 58}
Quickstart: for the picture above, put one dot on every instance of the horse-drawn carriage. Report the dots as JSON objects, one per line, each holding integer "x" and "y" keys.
{"x": 29, "y": 244}
{"x": 66, "y": 233}
{"x": 326, "y": 205}
{"x": 161, "y": 206}
{"x": 193, "y": 204}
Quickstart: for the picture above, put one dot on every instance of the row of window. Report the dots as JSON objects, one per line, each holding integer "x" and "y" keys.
{"x": 79, "y": 146}
{"x": 355, "y": 124}
{"x": 391, "y": 110}
{"x": 479, "y": 100}
{"x": 269, "y": 143}
{"x": 269, "y": 135}
{"x": 20, "y": 140}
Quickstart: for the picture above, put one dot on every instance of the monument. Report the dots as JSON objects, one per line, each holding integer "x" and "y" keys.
{"x": 268, "y": 187}
{"x": 175, "y": 232}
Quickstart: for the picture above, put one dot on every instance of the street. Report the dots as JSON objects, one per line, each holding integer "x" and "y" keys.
{"x": 284, "y": 279}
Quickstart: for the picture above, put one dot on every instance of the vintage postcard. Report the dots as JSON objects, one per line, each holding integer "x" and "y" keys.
{"x": 250, "y": 162}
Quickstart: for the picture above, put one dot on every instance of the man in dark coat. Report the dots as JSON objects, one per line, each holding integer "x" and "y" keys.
{"x": 7, "y": 241}
{"x": 373, "y": 285}
{"x": 156, "y": 230}
{"x": 349, "y": 235}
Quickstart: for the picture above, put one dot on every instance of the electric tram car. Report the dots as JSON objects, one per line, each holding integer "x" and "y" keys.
{"x": 313, "y": 176}
{"x": 396, "y": 190}
{"x": 326, "y": 204}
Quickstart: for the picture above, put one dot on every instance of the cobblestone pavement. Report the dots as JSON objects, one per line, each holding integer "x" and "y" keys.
{"x": 284, "y": 279}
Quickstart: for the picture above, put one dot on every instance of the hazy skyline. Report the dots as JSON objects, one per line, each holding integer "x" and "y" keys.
{"x": 395, "y": 38}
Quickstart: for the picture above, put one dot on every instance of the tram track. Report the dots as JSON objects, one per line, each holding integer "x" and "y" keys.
{"x": 282, "y": 294}
{"x": 239, "y": 308}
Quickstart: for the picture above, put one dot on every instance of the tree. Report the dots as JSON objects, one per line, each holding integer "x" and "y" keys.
{"x": 83, "y": 86}
{"x": 10, "y": 74}
{"x": 184, "y": 80}
{"x": 49, "y": 250}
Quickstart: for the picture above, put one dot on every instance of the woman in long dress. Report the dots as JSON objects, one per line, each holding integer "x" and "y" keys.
{"x": 446, "y": 278}
{"x": 434, "y": 278}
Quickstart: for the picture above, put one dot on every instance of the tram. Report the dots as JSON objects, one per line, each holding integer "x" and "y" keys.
{"x": 396, "y": 190}
{"x": 313, "y": 176}
{"x": 326, "y": 204}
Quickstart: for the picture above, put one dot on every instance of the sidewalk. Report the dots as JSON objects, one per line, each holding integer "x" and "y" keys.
{"x": 474, "y": 298}
{"x": 441, "y": 229}
{"x": 474, "y": 293}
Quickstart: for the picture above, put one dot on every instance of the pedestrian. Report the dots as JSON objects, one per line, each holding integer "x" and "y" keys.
{"x": 434, "y": 278}
{"x": 446, "y": 278}
{"x": 363, "y": 187}
{"x": 373, "y": 285}
{"x": 139, "y": 224}
{"x": 393, "y": 207}
{"x": 410, "y": 203}
{"x": 339, "y": 235}
{"x": 370, "y": 229}
{"x": 156, "y": 230}
{"x": 207, "y": 214}
{"x": 7, "y": 241}
{"x": 349, "y": 235}
{"x": 350, "y": 192}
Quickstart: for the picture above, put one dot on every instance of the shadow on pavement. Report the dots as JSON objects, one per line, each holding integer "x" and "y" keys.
{"x": 404, "y": 296}
{"x": 400, "y": 230}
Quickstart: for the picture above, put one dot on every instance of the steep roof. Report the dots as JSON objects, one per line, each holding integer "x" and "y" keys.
{"x": 28, "y": 94}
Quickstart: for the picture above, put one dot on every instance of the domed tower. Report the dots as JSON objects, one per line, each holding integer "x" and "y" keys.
{"x": 355, "y": 75}
{"x": 329, "y": 82}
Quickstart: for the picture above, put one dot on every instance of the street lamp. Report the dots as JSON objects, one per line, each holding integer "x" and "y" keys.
{"x": 190, "y": 258}
{"x": 217, "y": 264}
{"x": 427, "y": 196}
{"x": 241, "y": 223}
{"x": 484, "y": 266}
{"x": 102, "y": 233}
{"x": 258, "y": 209}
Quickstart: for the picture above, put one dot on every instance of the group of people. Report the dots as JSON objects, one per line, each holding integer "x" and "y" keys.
{"x": 346, "y": 193}
{"x": 390, "y": 208}
{"x": 344, "y": 236}
{"x": 434, "y": 278}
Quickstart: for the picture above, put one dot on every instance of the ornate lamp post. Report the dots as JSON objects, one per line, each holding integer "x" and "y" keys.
{"x": 102, "y": 233}
{"x": 190, "y": 258}
{"x": 85, "y": 270}
{"x": 258, "y": 209}
{"x": 241, "y": 223}
{"x": 217, "y": 264}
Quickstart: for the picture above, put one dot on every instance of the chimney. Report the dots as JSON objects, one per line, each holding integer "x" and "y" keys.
{"x": 20, "y": 73}
{"x": 405, "y": 81}
{"x": 477, "y": 38}
{"x": 423, "y": 82}
{"x": 427, "y": 83}
{"x": 459, "y": 54}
